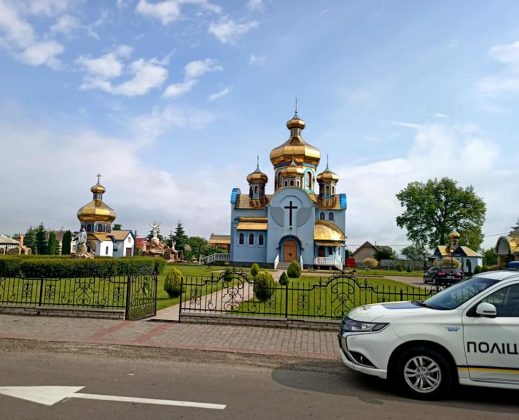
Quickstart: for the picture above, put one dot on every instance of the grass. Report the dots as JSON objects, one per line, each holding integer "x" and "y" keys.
{"x": 373, "y": 272}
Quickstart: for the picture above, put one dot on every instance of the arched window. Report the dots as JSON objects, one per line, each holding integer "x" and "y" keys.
{"x": 327, "y": 189}
{"x": 280, "y": 181}
{"x": 251, "y": 239}
{"x": 292, "y": 183}
{"x": 241, "y": 241}
{"x": 99, "y": 228}
{"x": 256, "y": 189}
{"x": 106, "y": 250}
{"x": 297, "y": 183}
{"x": 261, "y": 240}
{"x": 321, "y": 216}
{"x": 89, "y": 228}
{"x": 309, "y": 180}
{"x": 333, "y": 190}
{"x": 286, "y": 183}
{"x": 330, "y": 216}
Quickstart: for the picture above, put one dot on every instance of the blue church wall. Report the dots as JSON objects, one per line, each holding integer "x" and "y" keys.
{"x": 249, "y": 253}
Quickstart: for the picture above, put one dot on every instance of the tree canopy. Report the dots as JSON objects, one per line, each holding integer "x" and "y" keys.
{"x": 414, "y": 252}
{"x": 435, "y": 208}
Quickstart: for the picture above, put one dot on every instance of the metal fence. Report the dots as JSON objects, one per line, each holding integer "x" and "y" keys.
{"x": 233, "y": 294}
{"x": 136, "y": 294}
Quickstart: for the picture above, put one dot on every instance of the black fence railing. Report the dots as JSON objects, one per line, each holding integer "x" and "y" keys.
{"x": 136, "y": 294}
{"x": 330, "y": 298}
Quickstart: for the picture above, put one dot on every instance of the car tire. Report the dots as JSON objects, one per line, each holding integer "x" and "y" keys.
{"x": 422, "y": 373}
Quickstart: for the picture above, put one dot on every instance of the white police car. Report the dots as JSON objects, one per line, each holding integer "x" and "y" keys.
{"x": 467, "y": 334}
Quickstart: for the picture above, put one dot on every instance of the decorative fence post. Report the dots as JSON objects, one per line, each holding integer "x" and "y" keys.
{"x": 128, "y": 296}
{"x": 181, "y": 293}
{"x": 40, "y": 300}
{"x": 286, "y": 300}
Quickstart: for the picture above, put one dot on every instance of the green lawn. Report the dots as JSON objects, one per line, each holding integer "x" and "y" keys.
{"x": 372, "y": 272}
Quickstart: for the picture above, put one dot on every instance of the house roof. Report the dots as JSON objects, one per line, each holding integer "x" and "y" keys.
{"x": 121, "y": 235}
{"x": 219, "y": 239}
{"x": 6, "y": 240}
{"x": 460, "y": 251}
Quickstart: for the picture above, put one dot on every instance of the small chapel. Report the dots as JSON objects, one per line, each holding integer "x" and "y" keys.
{"x": 295, "y": 223}
{"x": 96, "y": 218}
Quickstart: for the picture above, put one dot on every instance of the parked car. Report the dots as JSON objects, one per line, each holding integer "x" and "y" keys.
{"x": 466, "y": 334}
{"x": 442, "y": 275}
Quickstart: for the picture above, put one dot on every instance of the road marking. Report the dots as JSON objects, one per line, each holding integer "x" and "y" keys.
{"x": 50, "y": 395}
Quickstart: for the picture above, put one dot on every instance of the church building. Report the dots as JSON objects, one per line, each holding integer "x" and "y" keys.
{"x": 295, "y": 223}
{"x": 96, "y": 219}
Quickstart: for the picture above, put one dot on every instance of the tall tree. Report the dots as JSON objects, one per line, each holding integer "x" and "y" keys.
{"x": 384, "y": 253}
{"x": 117, "y": 226}
{"x": 52, "y": 244}
{"x": 67, "y": 239}
{"x": 414, "y": 252}
{"x": 489, "y": 256}
{"x": 180, "y": 238}
{"x": 199, "y": 247}
{"x": 433, "y": 209}
{"x": 41, "y": 240}
{"x": 30, "y": 239}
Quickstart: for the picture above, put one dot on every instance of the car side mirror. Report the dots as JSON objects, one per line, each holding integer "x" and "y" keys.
{"x": 486, "y": 309}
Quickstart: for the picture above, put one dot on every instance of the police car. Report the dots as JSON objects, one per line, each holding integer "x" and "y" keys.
{"x": 467, "y": 334}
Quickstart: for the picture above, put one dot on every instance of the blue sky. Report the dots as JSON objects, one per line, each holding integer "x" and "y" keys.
{"x": 172, "y": 100}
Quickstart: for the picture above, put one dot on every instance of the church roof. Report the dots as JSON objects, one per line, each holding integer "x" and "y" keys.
{"x": 219, "y": 239}
{"x": 252, "y": 223}
{"x": 460, "y": 251}
{"x": 245, "y": 202}
{"x": 120, "y": 235}
{"x": 328, "y": 231}
{"x": 332, "y": 203}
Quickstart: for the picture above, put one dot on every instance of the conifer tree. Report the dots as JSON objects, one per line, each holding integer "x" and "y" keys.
{"x": 180, "y": 238}
{"x": 30, "y": 239}
{"x": 67, "y": 239}
{"x": 41, "y": 240}
{"x": 51, "y": 245}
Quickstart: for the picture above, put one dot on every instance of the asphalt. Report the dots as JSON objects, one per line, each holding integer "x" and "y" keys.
{"x": 266, "y": 341}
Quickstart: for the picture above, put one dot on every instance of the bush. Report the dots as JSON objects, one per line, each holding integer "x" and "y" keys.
{"x": 409, "y": 269}
{"x": 478, "y": 269}
{"x": 56, "y": 267}
{"x": 370, "y": 262}
{"x": 263, "y": 286}
{"x": 400, "y": 267}
{"x": 283, "y": 280}
{"x": 172, "y": 283}
{"x": 228, "y": 274}
{"x": 294, "y": 270}
{"x": 254, "y": 270}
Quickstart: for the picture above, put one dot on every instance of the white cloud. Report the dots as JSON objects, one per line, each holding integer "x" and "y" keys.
{"x": 198, "y": 68}
{"x": 168, "y": 11}
{"x": 508, "y": 54}
{"x": 227, "y": 31}
{"x": 507, "y": 82}
{"x": 438, "y": 150}
{"x": 107, "y": 66}
{"x": 175, "y": 90}
{"x": 65, "y": 24}
{"x": 219, "y": 94}
{"x": 440, "y": 115}
{"x": 20, "y": 39}
{"x": 192, "y": 72}
{"x": 42, "y": 53}
{"x": 255, "y": 5}
{"x": 256, "y": 60}
{"x": 45, "y": 7}
{"x": 70, "y": 165}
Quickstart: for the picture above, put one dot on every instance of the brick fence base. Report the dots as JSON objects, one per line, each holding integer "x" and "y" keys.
{"x": 64, "y": 312}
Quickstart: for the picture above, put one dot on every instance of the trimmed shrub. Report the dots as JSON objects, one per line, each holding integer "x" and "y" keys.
{"x": 228, "y": 274}
{"x": 254, "y": 270}
{"x": 478, "y": 269}
{"x": 56, "y": 267}
{"x": 294, "y": 270}
{"x": 263, "y": 286}
{"x": 409, "y": 269}
{"x": 172, "y": 283}
{"x": 283, "y": 280}
{"x": 370, "y": 262}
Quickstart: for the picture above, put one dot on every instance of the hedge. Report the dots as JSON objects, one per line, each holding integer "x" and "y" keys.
{"x": 55, "y": 267}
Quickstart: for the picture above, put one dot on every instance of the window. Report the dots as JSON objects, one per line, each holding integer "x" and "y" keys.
{"x": 99, "y": 228}
{"x": 89, "y": 228}
{"x": 309, "y": 180}
{"x": 327, "y": 189}
{"x": 251, "y": 239}
{"x": 292, "y": 183}
{"x": 297, "y": 183}
{"x": 506, "y": 301}
{"x": 261, "y": 240}
{"x": 333, "y": 190}
{"x": 330, "y": 216}
{"x": 241, "y": 241}
{"x": 256, "y": 189}
{"x": 330, "y": 250}
{"x": 321, "y": 216}
{"x": 106, "y": 250}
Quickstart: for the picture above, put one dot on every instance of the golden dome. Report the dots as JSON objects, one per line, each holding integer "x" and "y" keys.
{"x": 327, "y": 231}
{"x": 257, "y": 177}
{"x": 454, "y": 235}
{"x": 96, "y": 211}
{"x": 327, "y": 176}
{"x": 295, "y": 148}
{"x": 98, "y": 188}
{"x": 292, "y": 170}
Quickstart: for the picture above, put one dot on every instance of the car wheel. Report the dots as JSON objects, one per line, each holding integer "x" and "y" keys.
{"x": 422, "y": 373}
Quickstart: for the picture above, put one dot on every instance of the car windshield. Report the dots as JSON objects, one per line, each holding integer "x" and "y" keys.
{"x": 458, "y": 294}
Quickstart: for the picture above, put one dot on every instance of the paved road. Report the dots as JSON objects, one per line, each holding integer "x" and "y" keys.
{"x": 256, "y": 387}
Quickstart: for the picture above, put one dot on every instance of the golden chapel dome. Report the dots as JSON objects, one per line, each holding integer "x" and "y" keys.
{"x": 257, "y": 177}
{"x": 96, "y": 210}
{"x": 327, "y": 176}
{"x": 295, "y": 148}
{"x": 454, "y": 235}
{"x": 292, "y": 170}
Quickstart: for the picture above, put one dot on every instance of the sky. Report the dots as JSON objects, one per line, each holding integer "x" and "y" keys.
{"x": 173, "y": 100}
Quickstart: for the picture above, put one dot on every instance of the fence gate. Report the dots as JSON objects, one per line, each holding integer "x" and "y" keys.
{"x": 141, "y": 297}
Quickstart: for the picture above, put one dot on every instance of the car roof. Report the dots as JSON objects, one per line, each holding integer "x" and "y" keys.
{"x": 499, "y": 275}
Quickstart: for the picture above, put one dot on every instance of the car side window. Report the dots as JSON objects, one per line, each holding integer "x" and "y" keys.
{"x": 506, "y": 301}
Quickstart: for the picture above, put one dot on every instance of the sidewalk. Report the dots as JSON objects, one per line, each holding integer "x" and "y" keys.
{"x": 294, "y": 343}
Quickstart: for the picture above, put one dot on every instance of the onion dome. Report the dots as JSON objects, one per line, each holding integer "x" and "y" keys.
{"x": 96, "y": 210}
{"x": 292, "y": 170}
{"x": 454, "y": 235}
{"x": 327, "y": 176}
{"x": 295, "y": 148}
{"x": 257, "y": 177}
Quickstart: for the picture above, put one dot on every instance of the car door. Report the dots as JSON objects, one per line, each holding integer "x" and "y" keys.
{"x": 492, "y": 343}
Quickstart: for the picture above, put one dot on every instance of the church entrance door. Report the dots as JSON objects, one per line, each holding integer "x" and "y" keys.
{"x": 290, "y": 248}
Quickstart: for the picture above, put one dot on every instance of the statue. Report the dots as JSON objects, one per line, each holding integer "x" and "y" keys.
{"x": 155, "y": 247}
{"x": 155, "y": 229}
{"x": 81, "y": 247}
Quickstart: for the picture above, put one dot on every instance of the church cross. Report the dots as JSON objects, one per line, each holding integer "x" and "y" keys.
{"x": 98, "y": 178}
{"x": 290, "y": 208}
